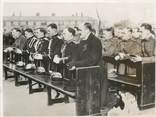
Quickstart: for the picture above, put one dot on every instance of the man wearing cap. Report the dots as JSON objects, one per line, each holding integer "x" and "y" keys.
{"x": 147, "y": 44}
{"x": 147, "y": 40}
{"x": 109, "y": 42}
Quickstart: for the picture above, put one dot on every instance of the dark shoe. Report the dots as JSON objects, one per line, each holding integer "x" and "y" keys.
{"x": 120, "y": 102}
{"x": 114, "y": 99}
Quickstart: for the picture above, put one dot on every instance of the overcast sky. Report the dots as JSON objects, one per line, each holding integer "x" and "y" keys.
{"x": 111, "y": 12}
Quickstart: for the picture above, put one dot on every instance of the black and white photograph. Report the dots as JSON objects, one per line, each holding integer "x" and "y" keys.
{"x": 77, "y": 58}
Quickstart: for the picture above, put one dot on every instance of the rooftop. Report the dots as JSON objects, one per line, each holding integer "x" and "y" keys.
{"x": 46, "y": 18}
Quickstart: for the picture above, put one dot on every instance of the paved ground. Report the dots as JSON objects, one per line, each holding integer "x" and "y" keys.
{"x": 18, "y": 102}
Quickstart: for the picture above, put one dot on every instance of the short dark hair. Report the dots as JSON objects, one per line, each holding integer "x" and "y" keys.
{"x": 111, "y": 29}
{"x": 77, "y": 28}
{"x": 88, "y": 26}
{"x": 130, "y": 29}
{"x": 148, "y": 27}
{"x": 28, "y": 30}
{"x": 53, "y": 25}
{"x": 17, "y": 29}
{"x": 71, "y": 30}
{"x": 42, "y": 30}
{"x": 108, "y": 29}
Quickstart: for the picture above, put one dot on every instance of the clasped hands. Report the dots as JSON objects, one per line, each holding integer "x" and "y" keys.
{"x": 133, "y": 58}
{"x": 57, "y": 60}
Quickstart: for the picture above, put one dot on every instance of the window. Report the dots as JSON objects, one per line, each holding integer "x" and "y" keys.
{"x": 12, "y": 23}
{"x": 26, "y": 22}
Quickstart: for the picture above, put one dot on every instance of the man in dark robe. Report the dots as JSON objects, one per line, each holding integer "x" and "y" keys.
{"x": 90, "y": 54}
{"x": 54, "y": 46}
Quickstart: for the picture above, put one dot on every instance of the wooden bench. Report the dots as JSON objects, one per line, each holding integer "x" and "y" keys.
{"x": 40, "y": 79}
{"x": 88, "y": 88}
{"x": 143, "y": 84}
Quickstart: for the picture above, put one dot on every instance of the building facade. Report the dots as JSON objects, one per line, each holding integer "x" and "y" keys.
{"x": 41, "y": 21}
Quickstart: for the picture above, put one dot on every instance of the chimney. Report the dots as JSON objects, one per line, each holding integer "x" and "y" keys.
{"x": 37, "y": 14}
{"x": 13, "y": 14}
{"x": 53, "y": 14}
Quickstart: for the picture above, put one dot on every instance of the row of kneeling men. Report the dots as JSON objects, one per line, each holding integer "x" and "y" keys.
{"x": 47, "y": 50}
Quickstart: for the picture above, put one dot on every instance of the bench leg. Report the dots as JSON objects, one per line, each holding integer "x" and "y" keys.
{"x": 17, "y": 82}
{"x": 39, "y": 85}
{"x": 33, "y": 90}
{"x": 30, "y": 86}
{"x": 5, "y": 73}
{"x": 56, "y": 99}
{"x": 16, "y": 79}
{"x": 66, "y": 99}
{"x": 49, "y": 95}
{"x": 6, "y": 76}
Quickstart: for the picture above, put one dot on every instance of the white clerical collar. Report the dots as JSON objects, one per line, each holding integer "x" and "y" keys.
{"x": 86, "y": 36}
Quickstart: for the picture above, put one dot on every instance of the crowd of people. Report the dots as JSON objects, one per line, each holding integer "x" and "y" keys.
{"x": 133, "y": 41}
{"x": 137, "y": 44}
{"x": 50, "y": 51}
{"x": 80, "y": 47}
